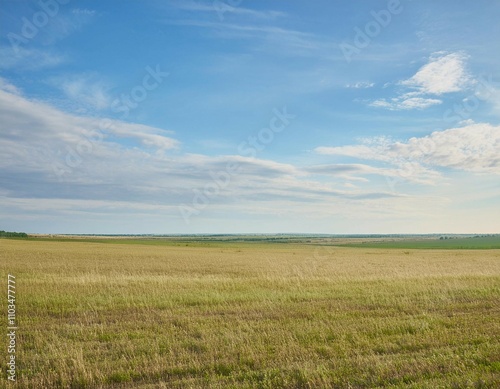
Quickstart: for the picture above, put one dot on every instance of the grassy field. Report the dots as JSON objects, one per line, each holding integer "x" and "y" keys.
{"x": 260, "y": 315}
{"x": 469, "y": 243}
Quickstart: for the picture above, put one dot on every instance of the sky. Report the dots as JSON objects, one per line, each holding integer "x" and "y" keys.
{"x": 239, "y": 116}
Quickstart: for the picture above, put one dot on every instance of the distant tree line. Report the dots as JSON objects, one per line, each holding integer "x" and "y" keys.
{"x": 8, "y": 234}
{"x": 475, "y": 236}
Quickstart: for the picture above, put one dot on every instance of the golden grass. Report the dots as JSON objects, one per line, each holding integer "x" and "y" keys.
{"x": 253, "y": 316}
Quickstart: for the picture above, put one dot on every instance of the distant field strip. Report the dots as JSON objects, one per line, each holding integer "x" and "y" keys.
{"x": 479, "y": 243}
{"x": 260, "y": 315}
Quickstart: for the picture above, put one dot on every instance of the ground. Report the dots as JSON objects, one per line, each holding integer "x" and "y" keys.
{"x": 249, "y": 314}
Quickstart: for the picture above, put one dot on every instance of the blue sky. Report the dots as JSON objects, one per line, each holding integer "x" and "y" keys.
{"x": 249, "y": 116}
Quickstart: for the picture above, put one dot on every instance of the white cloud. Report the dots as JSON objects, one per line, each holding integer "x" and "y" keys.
{"x": 405, "y": 103}
{"x": 466, "y": 122}
{"x": 349, "y": 151}
{"x": 474, "y": 148}
{"x": 445, "y": 73}
{"x": 361, "y": 85}
{"x": 8, "y": 87}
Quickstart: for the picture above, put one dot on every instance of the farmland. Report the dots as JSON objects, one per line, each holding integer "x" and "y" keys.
{"x": 467, "y": 243}
{"x": 188, "y": 313}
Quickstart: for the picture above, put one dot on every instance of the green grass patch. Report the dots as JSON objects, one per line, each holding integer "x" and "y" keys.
{"x": 472, "y": 243}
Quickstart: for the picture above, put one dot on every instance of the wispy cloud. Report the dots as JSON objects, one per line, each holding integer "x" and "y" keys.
{"x": 218, "y": 7}
{"x": 108, "y": 160}
{"x": 36, "y": 51}
{"x": 88, "y": 89}
{"x": 29, "y": 58}
{"x": 405, "y": 102}
{"x": 291, "y": 42}
{"x": 43, "y": 137}
{"x": 65, "y": 23}
{"x": 361, "y": 85}
{"x": 409, "y": 170}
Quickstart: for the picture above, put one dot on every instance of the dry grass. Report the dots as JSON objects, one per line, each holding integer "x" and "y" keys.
{"x": 253, "y": 316}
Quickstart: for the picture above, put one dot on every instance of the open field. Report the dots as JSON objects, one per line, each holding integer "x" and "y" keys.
{"x": 429, "y": 241}
{"x": 474, "y": 243}
{"x": 251, "y": 315}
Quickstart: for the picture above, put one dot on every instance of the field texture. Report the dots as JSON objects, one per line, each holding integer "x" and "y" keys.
{"x": 476, "y": 243}
{"x": 251, "y": 315}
